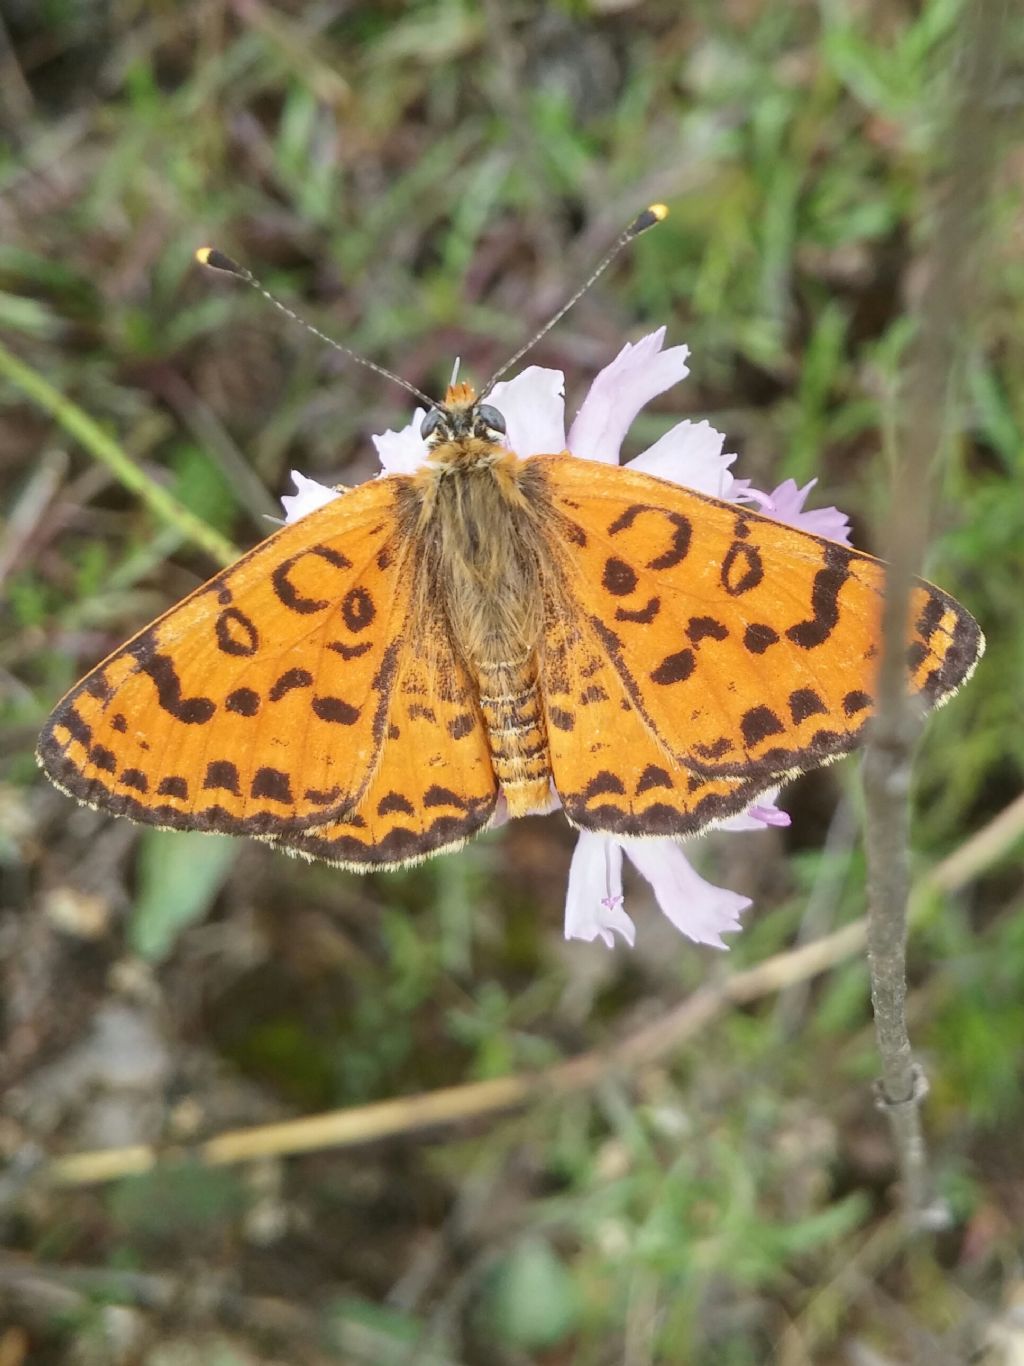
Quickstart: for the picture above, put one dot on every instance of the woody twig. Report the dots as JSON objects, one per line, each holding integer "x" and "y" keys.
{"x": 943, "y": 312}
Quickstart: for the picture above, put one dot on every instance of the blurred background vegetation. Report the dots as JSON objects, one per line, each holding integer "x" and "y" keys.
{"x": 427, "y": 180}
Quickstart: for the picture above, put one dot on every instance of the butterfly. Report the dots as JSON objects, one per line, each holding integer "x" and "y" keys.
{"x": 373, "y": 683}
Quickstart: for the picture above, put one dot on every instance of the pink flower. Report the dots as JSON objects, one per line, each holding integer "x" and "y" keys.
{"x": 691, "y": 454}
{"x": 785, "y": 503}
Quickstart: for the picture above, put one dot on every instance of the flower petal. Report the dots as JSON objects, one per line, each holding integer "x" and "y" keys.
{"x": 759, "y": 814}
{"x": 690, "y": 453}
{"x": 593, "y": 902}
{"x": 638, "y": 373}
{"x": 403, "y": 451}
{"x": 533, "y": 406}
{"x": 786, "y": 503}
{"x": 309, "y": 497}
{"x": 698, "y": 909}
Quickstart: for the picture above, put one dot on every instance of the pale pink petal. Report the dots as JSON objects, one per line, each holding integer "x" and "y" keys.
{"x": 533, "y": 406}
{"x": 402, "y": 452}
{"x": 309, "y": 497}
{"x": 698, "y": 909}
{"x": 593, "y": 902}
{"x": 690, "y": 453}
{"x": 761, "y": 813}
{"x": 769, "y": 815}
{"x": 501, "y": 816}
{"x": 786, "y": 504}
{"x": 638, "y": 373}
{"x": 743, "y": 491}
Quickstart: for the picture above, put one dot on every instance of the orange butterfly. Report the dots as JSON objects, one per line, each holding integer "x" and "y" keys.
{"x": 364, "y": 685}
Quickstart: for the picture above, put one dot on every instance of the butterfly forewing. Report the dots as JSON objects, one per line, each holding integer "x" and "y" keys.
{"x": 257, "y": 705}
{"x": 745, "y": 649}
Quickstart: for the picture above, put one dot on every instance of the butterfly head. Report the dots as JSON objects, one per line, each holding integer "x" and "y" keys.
{"x": 461, "y": 417}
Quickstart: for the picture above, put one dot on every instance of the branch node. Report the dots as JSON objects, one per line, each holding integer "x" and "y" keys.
{"x": 919, "y": 1088}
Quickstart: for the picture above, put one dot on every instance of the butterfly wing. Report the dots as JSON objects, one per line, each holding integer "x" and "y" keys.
{"x": 434, "y": 786}
{"x": 733, "y": 650}
{"x": 258, "y": 705}
{"x": 612, "y": 771}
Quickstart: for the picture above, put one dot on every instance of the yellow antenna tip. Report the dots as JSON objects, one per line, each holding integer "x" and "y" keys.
{"x": 654, "y": 213}
{"x": 217, "y": 260}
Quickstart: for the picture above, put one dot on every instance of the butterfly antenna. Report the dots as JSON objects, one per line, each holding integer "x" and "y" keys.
{"x": 217, "y": 260}
{"x": 655, "y": 213}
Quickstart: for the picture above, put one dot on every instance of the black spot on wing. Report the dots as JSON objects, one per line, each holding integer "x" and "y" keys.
{"x": 272, "y": 785}
{"x": 717, "y": 749}
{"x": 287, "y": 592}
{"x": 192, "y": 711}
{"x": 335, "y": 710}
{"x": 242, "y": 702}
{"x": 805, "y": 702}
{"x": 828, "y": 582}
{"x": 78, "y": 728}
{"x": 675, "y": 668}
{"x": 619, "y": 578}
{"x": 758, "y": 723}
{"x": 601, "y": 783}
{"x": 932, "y": 613}
{"x": 759, "y": 637}
{"x": 643, "y": 616}
{"x": 742, "y": 569}
{"x": 357, "y": 609}
{"x": 222, "y": 776}
{"x": 288, "y": 681}
{"x": 436, "y": 795}
{"x": 702, "y": 628}
{"x": 236, "y": 633}
{"x": 350, "y": 651}
{"x": 653, "y": 776}
{"x": 856, "y": 701}
{"x": 681, "y": 533}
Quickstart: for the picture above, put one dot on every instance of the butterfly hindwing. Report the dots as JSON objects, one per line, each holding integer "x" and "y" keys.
{"x": 609, "y": 768}
{"x": 434, "y": 785}
{"x": 258, "y": 704}
{"x": 745, "y": 648}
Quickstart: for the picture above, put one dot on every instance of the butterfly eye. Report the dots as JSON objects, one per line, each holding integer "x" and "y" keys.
{"x": 491, "y": 417}
{"x": 431, "y": 422}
